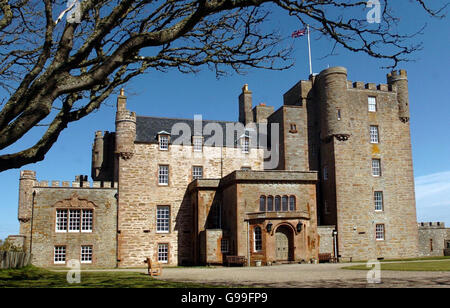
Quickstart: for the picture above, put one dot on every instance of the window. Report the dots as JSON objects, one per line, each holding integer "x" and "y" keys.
{"x": 163, "y": 253}
{"x": 431, "y": 244}
{"x": 61, "y": 220}
{"x": 163, "y": 175}
{"x": 379, "y": 232}
{"x": 197, "y": 172}
{"x": 198, "y": 143}
{"x": 74, "y": 220}
{"x": 246, "y": 169}
{"x": 262, "y": 204}
{"x": 374, "y": 134}
{"x": 270, "y": 204}
{"x": 376, "y": 167}
{"x": 258, "y": 239}
{"x": 292, "y": 203}
{"x": 325, "y": 173}
{"x": 293, "y": 128}
{"x": 372, "y": 101}
{"x": 339, "y": 114}
{"x": 224, "y": 246}
{"x": 86, "y": 221}
{"x": 277, "y": 203}
{"x": 59, "y": 255}
{"x": 163, "y": 142}
{"x": 378, "y": 198}
{"x": 448, "y": 245}
{"x": 86, "y": 254}
{"x": 245, "y": 145}
{"x": 162, "y": 219}
{"x": 284, "y": 203}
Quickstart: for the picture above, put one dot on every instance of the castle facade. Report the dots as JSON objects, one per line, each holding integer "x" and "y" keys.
{"x": 330, "y": 172}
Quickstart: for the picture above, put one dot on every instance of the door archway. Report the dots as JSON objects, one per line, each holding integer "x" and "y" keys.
{"x": 284, "y": 243}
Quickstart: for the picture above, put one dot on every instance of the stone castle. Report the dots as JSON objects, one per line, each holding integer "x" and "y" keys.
{"x": 335, "y": 176}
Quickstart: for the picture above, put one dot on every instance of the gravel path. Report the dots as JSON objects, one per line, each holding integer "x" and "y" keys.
{"x": 304, "y": 275}
{"x": 300, "y": 276}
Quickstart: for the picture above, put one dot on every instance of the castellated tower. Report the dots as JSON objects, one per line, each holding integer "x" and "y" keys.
{"x": 26, "y": 184}
{"x": 332, "y": 85}
{"x": 366, "y": 170}
{"x": 399, "y": 79}
{"x": 125, "y": 128}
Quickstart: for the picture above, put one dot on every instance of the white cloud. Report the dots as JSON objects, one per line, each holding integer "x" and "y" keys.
{"x": 433, "y": 197}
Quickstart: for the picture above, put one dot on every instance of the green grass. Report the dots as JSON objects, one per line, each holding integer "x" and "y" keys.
{"x": 443, "y": 266}
{"x": 418, "y": 259}
{"x": 34, "y": 277}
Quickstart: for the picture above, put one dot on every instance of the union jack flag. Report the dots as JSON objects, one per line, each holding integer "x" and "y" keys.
{"x": 298, "y": 33}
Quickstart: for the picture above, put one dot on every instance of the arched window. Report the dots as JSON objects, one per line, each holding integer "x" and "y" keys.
{"x": 258, "y": 239}
{"x": 292, "y": 206}
{"x": 277, "y": 203}
{"x": 270, "y": 204}
{"x": 284, "y": 203}
{"x": 262, "y": 204}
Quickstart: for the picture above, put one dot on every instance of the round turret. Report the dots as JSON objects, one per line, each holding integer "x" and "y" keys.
{"x": 125, "y": 128}
{"x": 399, "y": 79}
{"x": 332, "y": 87}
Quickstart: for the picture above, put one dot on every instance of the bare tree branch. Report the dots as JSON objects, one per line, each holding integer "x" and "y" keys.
{"x": 61, "y": 72}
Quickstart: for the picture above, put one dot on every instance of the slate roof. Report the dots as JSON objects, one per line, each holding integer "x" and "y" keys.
{"x": 147, "y": 129}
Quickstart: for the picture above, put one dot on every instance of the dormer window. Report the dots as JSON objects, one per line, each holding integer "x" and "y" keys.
{"x": 163, "y": 140}
{"x": 245, "y": 142}
{"x": 197, "y": 142}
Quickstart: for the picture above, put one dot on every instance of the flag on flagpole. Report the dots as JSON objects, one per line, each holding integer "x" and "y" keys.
{"x": 298, "y": 33}
{"x": 302, "y": 32}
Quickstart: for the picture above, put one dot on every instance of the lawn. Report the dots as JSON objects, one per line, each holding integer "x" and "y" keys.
{"x": 443, "y": 266}
{"x": 34, "y": 277}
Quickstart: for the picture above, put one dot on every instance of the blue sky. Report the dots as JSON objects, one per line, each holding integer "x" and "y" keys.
{"x": 178, "y": 95}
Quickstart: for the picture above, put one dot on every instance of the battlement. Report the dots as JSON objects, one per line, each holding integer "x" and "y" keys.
{"x": 431, "y": 225}
{"x": 399, "y": 73}
{"x": 371, "y": 86}
{"x": 80, "y": 182}
{"x": 75, "y": 184}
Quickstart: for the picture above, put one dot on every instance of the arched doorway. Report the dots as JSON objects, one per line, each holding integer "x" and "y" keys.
{"x": 283, "y": 243}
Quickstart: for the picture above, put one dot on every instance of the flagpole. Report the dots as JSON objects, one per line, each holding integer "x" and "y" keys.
{"x": 309, "y": 49}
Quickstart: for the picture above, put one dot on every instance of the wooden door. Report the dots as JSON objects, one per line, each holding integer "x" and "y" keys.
{"x": 282, "y": 245}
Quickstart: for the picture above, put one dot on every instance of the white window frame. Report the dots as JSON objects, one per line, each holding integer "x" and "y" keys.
{"x": 224, "y": 245}
{"x": 163, "y": 175}
{"x": 74, "y": 221}
{"x": 257, "y": 241}
{"x": 380, "y": 232}
{"x": 163, "y": 253}
{"x": 163, "y": 219}
{"x": 245, "y": 145}
{"x": 378, "y": 200}
{"x": 87, "y": 220}
{"x": 59, "y": 255}
{"x": 86, "y": 254}
{"x": 376, "y": 167}
{"x": 374, "y": 134}
{"x": 197, "y": 143}
{"x": 197, "y": 172}
{"x": 61, "y": 218}
{"x": 372, "y": 103}
{"x": 163, "y": 142}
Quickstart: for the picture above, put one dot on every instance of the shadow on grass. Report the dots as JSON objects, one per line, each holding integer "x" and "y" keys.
{"x": 33, "y": 277}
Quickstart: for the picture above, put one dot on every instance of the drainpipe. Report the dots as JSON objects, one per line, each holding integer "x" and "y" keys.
{"x": 248, "y": 243}
{"x": 32, "y": 218}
